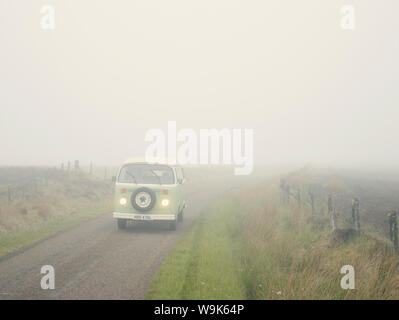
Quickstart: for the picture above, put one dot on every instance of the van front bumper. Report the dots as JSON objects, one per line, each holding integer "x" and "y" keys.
{"x": 144, "y": 217}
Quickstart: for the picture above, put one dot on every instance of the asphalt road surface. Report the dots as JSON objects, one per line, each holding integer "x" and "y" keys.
{"x": 94, "y": 260}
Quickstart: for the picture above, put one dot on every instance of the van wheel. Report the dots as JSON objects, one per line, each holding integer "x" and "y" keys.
{"x": 172, "y": 225}
{"x": 122, "y": 224}
{"x": 180, "y": 216}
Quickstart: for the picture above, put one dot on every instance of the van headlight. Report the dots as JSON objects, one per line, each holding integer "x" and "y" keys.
{"x": 165, "y": 202}
{"x": 123, "y": 201}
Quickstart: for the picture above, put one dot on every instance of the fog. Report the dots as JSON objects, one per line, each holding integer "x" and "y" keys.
{"x": 111, "y": 70}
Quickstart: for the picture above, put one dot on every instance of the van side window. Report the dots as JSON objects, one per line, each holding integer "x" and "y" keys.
{"x": 179, "y": 174}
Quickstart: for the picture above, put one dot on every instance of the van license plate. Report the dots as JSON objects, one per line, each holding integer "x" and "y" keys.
{"x": 141, "y": 217}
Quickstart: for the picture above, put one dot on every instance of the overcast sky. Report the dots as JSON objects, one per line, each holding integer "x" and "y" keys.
{"x": 110, "y": 70}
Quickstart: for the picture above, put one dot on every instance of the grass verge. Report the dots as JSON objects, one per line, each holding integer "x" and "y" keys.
{"x": 205, "y": 264}
{"x": 247, "y": 246}
{"x": 14, "y": 241}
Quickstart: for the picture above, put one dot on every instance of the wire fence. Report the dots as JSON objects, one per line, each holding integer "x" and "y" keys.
{"x": 27, "y": 183}
{"x": 321, "y": 203}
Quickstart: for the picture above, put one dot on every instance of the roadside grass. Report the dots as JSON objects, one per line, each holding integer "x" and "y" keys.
{"x": 205, "y": 264}
{"x": 17, "y": 240}
{"x": 53, "y": 206}
{"x": 291, "y": 255}
{"x": 248, "y": 246}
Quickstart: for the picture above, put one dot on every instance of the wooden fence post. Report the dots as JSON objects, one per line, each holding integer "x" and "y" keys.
{"x": 312, "y": 202}
{"x": 91, "y": 168}
{"x": 105, "y": 173}
{"x": 76, "y": 165}
{"x": 333, "y": 219}
{"x": 282, "y": 191}
{"x": 356, "y": 214}
{"x": 288, "y": 191}
{"x": 331, "y": 212}
{"x": 298, "y": 198}
{"x": 329, "y": 204}
{"x": 393, "y": 229}
{"x": 35, "y": 185}
{"x": 9, "y": 194}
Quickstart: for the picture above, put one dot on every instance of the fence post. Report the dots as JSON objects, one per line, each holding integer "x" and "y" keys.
{"x": 282, "y": 191}
{"x": 298, "y": 197}
{"x": 69, "y": 167}
{"x": 393, "y": 229}
{"x": 312, "y": 202}
{"x": 333, "y": 219}
{"x": 9, "y": 194}
{"x": 329, "y": 204}
{"x": 35, "y": 184}
{"x": 91, "y": 168}
{"x": 288, "y": 194}
{"x": 356, "y": 214}
{"x": 76, "y": 165}
{"x": 105, "y": 173}
{"x": 331, "y": 212}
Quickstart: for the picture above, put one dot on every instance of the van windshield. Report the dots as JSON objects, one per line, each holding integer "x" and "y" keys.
{"x": 144, "y": 173}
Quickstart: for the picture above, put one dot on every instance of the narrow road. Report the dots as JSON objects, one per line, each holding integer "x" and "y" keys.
{"x": 94, "y": 260}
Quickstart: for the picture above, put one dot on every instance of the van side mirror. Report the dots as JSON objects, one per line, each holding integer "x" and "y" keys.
{"x": 113, "y": 178}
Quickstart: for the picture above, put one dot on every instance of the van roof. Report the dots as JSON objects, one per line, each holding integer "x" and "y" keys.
{"x": 142, "y": 160}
